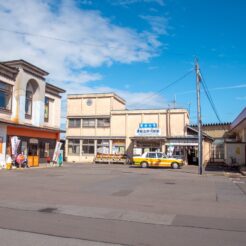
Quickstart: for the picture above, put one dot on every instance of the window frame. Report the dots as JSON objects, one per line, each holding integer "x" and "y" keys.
{"x": 47, "y": 103}
{"x": 84, "y": 120}
{"x": 29, "y": 99}
{"x": 71, "y": 144}
{"x": 104, "y": 121}
{"x": 70, "y": 125}
{"x": 102, "y": 143}
{"x": 9, "y": 93}
{"x": 86, "y": 145}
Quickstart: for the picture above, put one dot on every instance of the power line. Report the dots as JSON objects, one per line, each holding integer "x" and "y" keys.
{"x": 210, "y": 99}
{"x": 56, "y": 39}
{"x": 164, "y": 88}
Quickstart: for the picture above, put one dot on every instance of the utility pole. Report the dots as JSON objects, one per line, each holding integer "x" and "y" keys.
{"x": 199, "y": 118}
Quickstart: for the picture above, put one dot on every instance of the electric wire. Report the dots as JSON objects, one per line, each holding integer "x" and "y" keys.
{"x": 144, "y": 100}
{"x": 209, "y": 97}
{"x": 58, "y": 39}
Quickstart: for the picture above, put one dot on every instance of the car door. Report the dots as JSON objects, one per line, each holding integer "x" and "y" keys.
{"x": 151, "y": 159}
{"x": 159, "y": 160}
{"x": 165, "y": 162}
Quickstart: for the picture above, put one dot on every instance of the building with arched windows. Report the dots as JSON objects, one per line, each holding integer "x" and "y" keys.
{"x": 30, "y": 110}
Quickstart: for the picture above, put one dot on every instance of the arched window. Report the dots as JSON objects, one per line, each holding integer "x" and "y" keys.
{"x": 29, "y": 97}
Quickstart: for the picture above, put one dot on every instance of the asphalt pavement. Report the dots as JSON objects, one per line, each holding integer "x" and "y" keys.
{"x": 84, "y": 204}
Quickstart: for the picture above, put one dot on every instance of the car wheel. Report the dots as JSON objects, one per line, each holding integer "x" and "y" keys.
{"x": 144, "y": 164}
{"x": 175, "y": 165}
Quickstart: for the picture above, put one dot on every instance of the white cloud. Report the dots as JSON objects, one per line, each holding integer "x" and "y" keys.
{"x": 66, "y": 41}
{"x": 96, "y": 41}
{"x": 158, "y": 23}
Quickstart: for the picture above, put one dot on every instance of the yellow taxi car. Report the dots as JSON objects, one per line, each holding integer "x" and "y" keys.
{"x": 156, "y": 159}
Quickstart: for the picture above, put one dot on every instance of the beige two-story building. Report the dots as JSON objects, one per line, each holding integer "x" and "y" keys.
{"x": 30, "y": 110}
{"x": 100, "y": 123}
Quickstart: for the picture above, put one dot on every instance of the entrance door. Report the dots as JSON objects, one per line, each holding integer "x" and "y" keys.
{"x": 192, "y": 156}
{"x": 33, "y": 159}
{"x": 33, "y": 149}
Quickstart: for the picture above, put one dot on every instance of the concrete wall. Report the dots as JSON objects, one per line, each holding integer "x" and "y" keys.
{"x": 236, "y": 151}
{"x": 19, "y": 97}
{"x": 206, "y": 151}
{"x": 54, "y": 111}
{"x": 216, "y": 131}
{"x": 100, "y": 104}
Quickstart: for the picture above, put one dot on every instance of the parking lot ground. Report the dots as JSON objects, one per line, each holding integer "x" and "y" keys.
{"x": 97, "y": 204}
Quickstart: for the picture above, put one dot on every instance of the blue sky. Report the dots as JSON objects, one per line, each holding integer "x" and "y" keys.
{"x": 135, "y": 48}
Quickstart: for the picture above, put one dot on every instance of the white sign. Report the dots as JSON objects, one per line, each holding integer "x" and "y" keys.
{"x": 57, "y": 151}
{"x": 148, "y": 132}
{"x": 14, "y": 145}
{"x": 137, "y": 151}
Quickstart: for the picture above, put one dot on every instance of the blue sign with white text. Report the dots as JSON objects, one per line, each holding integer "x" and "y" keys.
{"x": 147, "y": 125}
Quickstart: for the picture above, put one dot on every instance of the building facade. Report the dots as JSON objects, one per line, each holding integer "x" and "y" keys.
{"x": 235, "y": 143}
{"x": 218, "y": 132}
{"x": 100, "y": 123}
{"x": 30, "y": 110}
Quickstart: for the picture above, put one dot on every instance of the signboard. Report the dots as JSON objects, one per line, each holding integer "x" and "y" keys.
{"x": 148, "y": 129}
{"x": 148, "y": 125}
{"x": 14, "y": 145}
{"x": 137, "y": 151}
{"x": 1, "y": 145}
{"x": 57, "y": 152}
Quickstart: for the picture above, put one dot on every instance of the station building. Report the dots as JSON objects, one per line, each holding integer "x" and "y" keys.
{"x": 29, "y": 110}
{"x": 100, "y": 123}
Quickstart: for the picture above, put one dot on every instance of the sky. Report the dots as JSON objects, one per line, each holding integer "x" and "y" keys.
{"x": 135, "y": 48}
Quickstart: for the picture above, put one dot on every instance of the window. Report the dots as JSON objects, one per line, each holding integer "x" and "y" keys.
{"x": 5, "y": 96}
{"x": 103, "y": 122}
{"x": 88, "y": 146}
{"x": 74, "y": 123}
{"x": 118, "y": 146}
{"x": 103, "y": 146}
{"x": 159, "y": 155}
{"x": 46, "y": 149}
{"x": 73, "y": 146}
{"x": 218, "y": 151}
{"x": 151, "y": 155}
{"x": 88, "y": 123}
{"x": 46, "y": 109}
{"x": 29, "y": 96}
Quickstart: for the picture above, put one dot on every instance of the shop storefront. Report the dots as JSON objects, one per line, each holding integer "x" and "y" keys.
{"x": 36, "y": 144}
{"x": 147, "y": 144}
{"x": 185, "y": 148}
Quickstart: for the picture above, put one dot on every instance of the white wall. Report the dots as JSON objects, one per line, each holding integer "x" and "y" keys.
{"x": 235, "y": 150}
{"x": 19, "y": 98}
